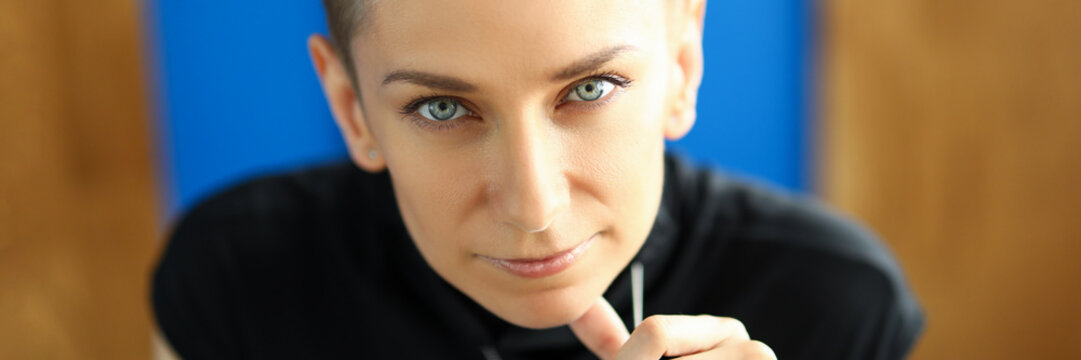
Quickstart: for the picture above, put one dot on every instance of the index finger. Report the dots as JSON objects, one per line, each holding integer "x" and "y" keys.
{"x": 600, "y": 329}
{"x": 679, "y": 335}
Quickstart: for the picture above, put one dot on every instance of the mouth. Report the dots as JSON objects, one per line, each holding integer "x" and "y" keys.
{"x": 542, "y": 267}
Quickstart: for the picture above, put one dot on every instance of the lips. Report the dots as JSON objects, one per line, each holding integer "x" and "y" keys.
{"x": 542, "y": 267}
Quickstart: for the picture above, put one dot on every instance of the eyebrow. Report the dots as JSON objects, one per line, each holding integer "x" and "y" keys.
{"x": 591, "y": 62}
{"x": 448, "y": 83}
{"x": 430, "y": 80}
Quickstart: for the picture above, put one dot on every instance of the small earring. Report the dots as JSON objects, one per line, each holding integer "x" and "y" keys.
{"x": 372, "y": 154}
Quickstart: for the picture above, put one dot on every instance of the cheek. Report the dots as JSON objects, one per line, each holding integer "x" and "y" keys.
{"x": 620, "y": 146}
{"x": 620, "y": 161}
{"x": 435, "y": 192}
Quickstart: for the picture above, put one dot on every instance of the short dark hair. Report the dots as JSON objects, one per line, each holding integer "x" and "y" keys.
{"x": 344, "y": 19}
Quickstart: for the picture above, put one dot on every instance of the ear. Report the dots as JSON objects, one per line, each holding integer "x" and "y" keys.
{"x": 686, "y": 69}
{"x": 345, "y": 105}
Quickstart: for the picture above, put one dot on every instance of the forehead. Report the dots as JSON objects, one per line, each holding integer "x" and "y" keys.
{"x": 486, "y": 36}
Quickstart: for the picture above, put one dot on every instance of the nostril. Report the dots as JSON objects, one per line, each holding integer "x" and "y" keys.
{"x": 536, "y": 230}
{"x": 528, "y": 220}
{"x": 527, "y": 211}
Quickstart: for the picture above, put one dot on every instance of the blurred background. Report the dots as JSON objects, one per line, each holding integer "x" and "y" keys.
{"x": 951, "y": 127}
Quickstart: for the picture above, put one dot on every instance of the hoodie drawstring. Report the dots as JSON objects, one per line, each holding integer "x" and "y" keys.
{"x": 490, "y": 353}
{"x": 637, "y": 271}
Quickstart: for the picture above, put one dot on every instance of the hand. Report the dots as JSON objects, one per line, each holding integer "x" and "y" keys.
{"x": 690, "y": 337}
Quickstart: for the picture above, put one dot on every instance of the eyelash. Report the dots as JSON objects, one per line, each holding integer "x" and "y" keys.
{"x": 411, "y": 107}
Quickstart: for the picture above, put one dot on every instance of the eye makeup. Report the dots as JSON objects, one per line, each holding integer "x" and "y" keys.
{"x": 411, "y": 110}
{"x": 621, "y": 84}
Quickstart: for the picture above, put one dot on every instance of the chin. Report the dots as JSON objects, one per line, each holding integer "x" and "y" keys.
{"x": 543, "y": 318}
{"x": 545, "y": 311}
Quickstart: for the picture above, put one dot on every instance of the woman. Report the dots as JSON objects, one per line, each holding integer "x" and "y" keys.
{"x": 512, "y": 180}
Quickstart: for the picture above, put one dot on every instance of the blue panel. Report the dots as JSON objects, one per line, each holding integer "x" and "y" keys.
{"x": 752, "y": 104}
{"x": 237, "y": 95}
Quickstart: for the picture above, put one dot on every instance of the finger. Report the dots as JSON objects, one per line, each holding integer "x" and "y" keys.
{"x": 600, "y": 329}
{"x": 678, "y": 335}
{"x": 743, "y": 350}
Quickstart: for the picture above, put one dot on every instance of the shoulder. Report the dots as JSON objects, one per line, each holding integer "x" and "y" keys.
{"x": 740, "y": 215}
{"x": 274, "y": 223}
{"x": 271, "y": 214}
{"x": 795, "y": 256}
{"x": 250, "y": 246}
{"x": 743, "y": 212}
{"x": 303, "y": 203}
{"x": 277, "y": 196}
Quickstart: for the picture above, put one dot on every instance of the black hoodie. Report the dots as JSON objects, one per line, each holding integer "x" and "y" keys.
{"x": 318, "y": 265}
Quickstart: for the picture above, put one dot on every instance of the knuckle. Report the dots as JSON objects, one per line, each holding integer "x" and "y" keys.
{"x": 655, "y": 327}
{"x": 611, "y": 342}
{"x": 756, "y": 350}
{"x": 735, "y": 327}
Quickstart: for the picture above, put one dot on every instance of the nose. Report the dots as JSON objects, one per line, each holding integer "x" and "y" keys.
{"x": 530, "y": 189}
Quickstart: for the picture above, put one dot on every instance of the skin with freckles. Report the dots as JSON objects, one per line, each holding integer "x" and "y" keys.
{"x": 521, "y": 130}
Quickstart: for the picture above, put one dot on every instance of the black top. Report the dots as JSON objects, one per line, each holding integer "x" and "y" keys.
{"x": 318, "y": 265}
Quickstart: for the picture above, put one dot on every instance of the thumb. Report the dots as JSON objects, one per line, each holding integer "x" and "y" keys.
{"x": 600, "y": 329}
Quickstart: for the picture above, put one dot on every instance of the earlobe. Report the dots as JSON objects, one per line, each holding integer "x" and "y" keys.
{"x": 344, "y": 104}
{"x": 363, "y": 149}
{"x": 680, "y": 122}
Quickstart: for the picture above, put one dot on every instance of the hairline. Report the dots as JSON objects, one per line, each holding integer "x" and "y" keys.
{"x": 346, "y": 19}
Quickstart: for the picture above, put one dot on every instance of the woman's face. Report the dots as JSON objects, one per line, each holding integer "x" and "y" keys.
{"x": 525, "y": 140}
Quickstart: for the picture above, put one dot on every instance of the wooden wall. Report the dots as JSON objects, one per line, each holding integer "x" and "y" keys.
{"x": 953, "y": 127}
{"x": 77, "y": 212}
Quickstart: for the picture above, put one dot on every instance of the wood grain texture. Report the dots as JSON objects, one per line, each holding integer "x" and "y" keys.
{"x": 953, "y": 127}
{"x": 77, "y": 210}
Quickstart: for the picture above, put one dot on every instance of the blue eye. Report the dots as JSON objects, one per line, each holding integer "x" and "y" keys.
{"x": 590, "y": 90}
{"x": 442, "y": 109}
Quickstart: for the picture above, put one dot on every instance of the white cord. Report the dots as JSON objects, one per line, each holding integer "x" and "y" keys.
{"x": 636, "y": 291}
{"x": 490, "y": 353}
